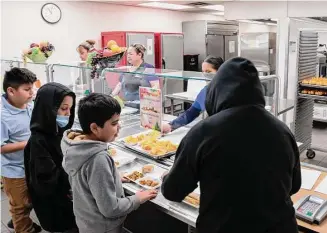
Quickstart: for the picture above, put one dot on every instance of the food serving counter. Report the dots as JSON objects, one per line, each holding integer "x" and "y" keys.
{"x": 184, "y": 213}
{"x": 161, "y": 215}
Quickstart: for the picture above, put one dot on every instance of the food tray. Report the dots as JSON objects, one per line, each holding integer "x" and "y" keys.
{"x": 155, "y": 175}
{"x": 177, "y": 135}
{"x": 196, "y": 191}
{"x": 139, "y": 149}
{"x": 190, "y": 204}
{"x": 313, "y": 86}
{"x": 121, "y": 157}
{"x": 146, "y": 186}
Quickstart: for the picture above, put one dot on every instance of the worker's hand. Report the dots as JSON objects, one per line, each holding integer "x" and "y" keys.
{"x": 146, "y": 195}
{"x": 166, "y": 128}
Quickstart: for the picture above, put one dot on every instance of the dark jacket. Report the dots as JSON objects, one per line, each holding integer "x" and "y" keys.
{"x": 46, "y": 179}
{"x": 246, "y": 160}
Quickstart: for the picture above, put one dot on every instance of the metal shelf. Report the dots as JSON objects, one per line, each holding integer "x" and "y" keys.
{"x": 313, "y": 86}
{"x": 320, "y": 120}
{"x": 314, "y": 97}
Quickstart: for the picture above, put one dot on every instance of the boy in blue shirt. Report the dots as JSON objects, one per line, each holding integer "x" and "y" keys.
{"x": 16, "y": 110}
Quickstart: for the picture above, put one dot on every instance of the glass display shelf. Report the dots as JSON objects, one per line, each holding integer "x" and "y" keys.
{"x": 77, "y": 76}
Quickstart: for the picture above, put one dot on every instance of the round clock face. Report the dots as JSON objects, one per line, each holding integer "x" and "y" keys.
{"x": 51, "y": 13}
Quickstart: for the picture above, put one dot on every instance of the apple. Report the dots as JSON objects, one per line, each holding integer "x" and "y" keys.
{"x": 107, "y": 53}
{"x": 111, "y": 43}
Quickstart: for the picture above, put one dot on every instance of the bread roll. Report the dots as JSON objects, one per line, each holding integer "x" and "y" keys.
{"x": 147, "y": 168}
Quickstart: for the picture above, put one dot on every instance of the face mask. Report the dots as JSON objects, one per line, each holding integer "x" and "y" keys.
{"x": 208, "y": 75}
{"x": 62, "y": 121}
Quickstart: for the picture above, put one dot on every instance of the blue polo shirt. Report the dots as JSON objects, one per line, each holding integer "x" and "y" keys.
{"x": 15, "y": 127}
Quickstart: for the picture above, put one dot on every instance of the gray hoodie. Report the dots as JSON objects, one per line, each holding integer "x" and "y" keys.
{"x": 98, "y": 197}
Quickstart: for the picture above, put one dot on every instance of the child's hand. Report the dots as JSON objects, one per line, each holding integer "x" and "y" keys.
{"x": 147, "y": 195}
{"x": 124, "y": 180}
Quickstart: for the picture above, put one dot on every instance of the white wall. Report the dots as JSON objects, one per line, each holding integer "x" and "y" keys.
{"x": 22, "y": 24}
{"x": 274, "y": 9}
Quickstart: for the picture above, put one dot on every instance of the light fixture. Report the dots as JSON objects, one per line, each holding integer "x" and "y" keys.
{"x": 219, "y": 13}
{"x": 214, "y": 7}
{"x": 164, "y": 5}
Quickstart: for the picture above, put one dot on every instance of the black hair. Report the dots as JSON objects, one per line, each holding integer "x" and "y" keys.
{"x": 96, "y": 108}
{"x": 216, "y": 62}
{"x": 16, "y": 77}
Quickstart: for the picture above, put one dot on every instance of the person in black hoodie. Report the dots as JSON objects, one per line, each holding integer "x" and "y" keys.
{"x": 245, "y": 159}
{"x": 46, "y": 179}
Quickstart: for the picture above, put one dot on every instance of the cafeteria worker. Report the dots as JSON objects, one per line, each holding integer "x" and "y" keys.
{"x": 129, "y": 83}
{"x": 209, "y": 66}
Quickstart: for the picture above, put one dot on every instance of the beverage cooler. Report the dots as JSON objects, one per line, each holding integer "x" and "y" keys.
{"x": 126, "y": 39}
{"x": 169, "y": 49}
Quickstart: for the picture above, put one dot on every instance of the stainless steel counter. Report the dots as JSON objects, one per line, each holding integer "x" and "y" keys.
{"x": 180, "y": 211}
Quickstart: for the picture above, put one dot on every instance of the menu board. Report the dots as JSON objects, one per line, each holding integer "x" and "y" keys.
{"x": 150, "y": 108}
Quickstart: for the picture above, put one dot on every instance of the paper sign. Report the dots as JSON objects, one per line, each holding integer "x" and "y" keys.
{"x": 322, "y": 187}
{"x": 150, "y": 108}
{"x": 149, "y": 47}
{"x": 309, "y": 178}
{"x": 231, "y": 46}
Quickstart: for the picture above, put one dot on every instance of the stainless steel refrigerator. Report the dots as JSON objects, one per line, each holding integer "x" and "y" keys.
{"x": 169, "y": 55}
{"x": 216, "y": 38}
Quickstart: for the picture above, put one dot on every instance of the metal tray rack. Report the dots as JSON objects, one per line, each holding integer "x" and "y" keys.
{"x": 306, "y": 66}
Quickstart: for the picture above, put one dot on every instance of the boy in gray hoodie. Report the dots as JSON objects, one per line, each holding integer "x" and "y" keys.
{"x": 100, "y": 205}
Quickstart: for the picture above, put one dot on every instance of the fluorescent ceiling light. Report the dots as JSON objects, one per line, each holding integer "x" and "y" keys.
{"x": 219, "y": 13}
{"x": 164, "y": 5}
{"x": 214, "y": 7}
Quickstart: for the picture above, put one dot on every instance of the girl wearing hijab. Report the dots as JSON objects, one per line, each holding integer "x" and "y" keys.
{"x": 210, "y": 66}
{"x": 46, "y": 179}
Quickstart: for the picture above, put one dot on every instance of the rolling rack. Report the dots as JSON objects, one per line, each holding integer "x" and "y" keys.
{"x": 306, "y": 66}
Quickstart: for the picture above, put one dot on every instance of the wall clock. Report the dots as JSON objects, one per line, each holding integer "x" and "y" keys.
{"x": 51, "y": 13}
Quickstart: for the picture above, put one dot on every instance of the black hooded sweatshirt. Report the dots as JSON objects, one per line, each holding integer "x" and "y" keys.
{"x": 246, "y": 160}
{"x": 46, "y": 179}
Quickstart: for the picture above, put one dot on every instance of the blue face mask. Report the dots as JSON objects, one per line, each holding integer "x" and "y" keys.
{"x": 62, "y": 121}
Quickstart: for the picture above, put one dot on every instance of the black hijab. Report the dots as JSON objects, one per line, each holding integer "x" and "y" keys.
{"x": 48, "y": 100}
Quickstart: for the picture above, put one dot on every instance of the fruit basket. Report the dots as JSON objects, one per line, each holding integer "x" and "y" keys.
{"x": 108, "y": 58}
{"x": 38, "y": 53}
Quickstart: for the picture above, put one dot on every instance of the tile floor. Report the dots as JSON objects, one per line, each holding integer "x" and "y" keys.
{"x": 319, "y": 140}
